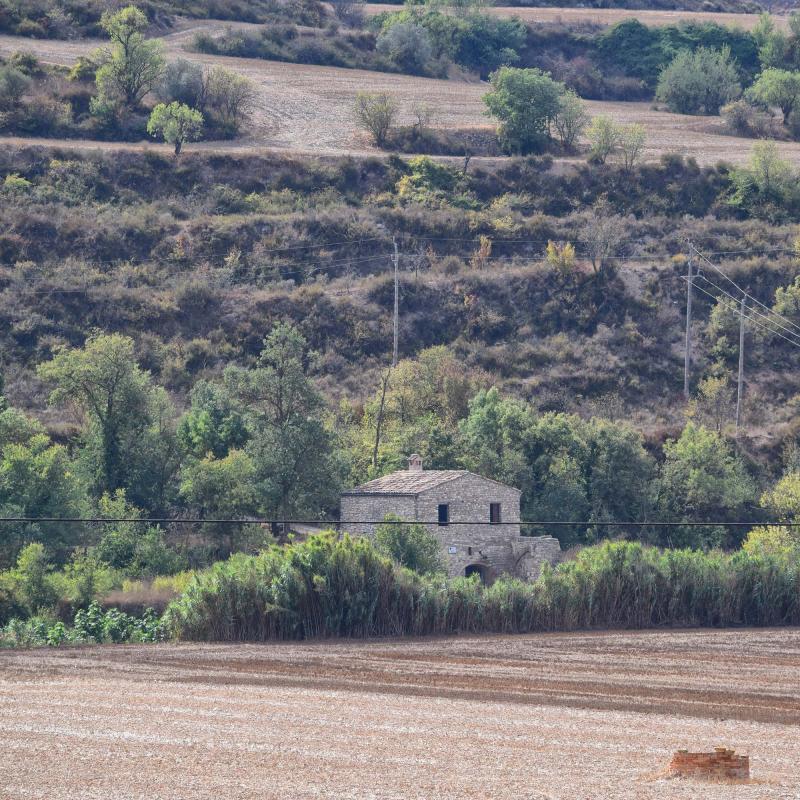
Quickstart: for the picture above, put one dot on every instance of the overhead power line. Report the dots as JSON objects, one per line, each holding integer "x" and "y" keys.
{"x": 753, "y": 311}
{"x": 741, "y": 290}
{"x": 736, "y": 310}
{"x": 432, "y": 523}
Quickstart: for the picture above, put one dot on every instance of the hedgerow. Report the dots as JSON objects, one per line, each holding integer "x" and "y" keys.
{"x": 342, "y": 587}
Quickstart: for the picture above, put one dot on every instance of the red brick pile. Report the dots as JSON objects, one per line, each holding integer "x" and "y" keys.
{"x": 723, "y": 765}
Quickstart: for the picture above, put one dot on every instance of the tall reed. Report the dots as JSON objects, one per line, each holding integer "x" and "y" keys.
{"x": 342, "y": 587}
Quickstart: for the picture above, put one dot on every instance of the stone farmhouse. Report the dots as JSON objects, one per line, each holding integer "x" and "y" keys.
{"x": 476, "y": 519}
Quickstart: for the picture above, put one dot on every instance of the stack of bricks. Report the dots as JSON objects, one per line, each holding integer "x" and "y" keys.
{"x": 722, "y": 765}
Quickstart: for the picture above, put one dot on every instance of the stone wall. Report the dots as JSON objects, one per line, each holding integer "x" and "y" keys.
{"x": 491, "y": 549}
{"x": 722, "y": 765}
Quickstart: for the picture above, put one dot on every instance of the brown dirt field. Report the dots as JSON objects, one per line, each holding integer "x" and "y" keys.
{"x": 588, "y": 716}
{"x": 306, "y": 109}
{"x": 610, "y": 16}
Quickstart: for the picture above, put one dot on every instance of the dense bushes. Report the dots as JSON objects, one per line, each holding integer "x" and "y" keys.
{"x": 698, "y": 83}
{"x": 340, "y": 587}
{"x": 92, "y": 626}
{"x": 643, "y": 52}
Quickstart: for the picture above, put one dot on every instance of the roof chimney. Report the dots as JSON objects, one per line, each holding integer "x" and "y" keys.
{"x": 414, "y": 463}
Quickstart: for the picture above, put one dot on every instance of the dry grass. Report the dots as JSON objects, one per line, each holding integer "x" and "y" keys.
{"x": 589, "y": 716}
{"x": 610, "y": 16}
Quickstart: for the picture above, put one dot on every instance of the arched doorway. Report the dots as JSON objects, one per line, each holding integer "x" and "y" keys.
{"x": 477, "y": 569}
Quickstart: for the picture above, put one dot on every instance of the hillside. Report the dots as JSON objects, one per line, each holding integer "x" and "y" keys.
{"x": 204, "y": 255}
{"x": 244, "y": 249}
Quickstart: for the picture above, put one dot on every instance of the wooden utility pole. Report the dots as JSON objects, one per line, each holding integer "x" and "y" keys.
{"x": 740, "y": 381}
{"x": 687, "y": 359}
{"x": 396, "y": 303}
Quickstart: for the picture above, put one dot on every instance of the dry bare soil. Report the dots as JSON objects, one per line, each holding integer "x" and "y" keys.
{"x": 610, "y": 16}
{"x": 307, "y": 109}
{"x": 563, "y": 717}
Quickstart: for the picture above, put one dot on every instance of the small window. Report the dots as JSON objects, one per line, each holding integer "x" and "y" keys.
{"x": 494, "y": 513}
{"x": 444, "y": 514}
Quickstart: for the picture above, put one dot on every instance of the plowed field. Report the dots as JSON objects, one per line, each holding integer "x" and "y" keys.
{"x": 563, "y": 717}
{"x": 307, "y": 109}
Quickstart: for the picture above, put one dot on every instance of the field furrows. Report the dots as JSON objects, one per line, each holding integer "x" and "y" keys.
{"x": 307, "y": 109}
{"x": 556, "y": 716}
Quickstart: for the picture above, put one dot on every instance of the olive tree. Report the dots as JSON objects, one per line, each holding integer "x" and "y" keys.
{"x": 375, "y": 113}
{"x": 699, "y": 82}
{"x": 407, "y": 46}
{"x": 603, "y": 139}
{"x": 176, "y": 124}
{"x": 631, "y": 141}
{"x": 571, "y": 119}
{"x": 229, "y": 98}
{"x": 184, "y": 82}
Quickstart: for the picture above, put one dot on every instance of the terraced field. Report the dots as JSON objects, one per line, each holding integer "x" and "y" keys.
{"x": 610, "y": 16}
{"x": 589, "y": 716}
{"x": 307, "y": 109}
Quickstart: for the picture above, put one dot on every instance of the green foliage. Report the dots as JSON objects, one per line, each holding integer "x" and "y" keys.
{"x": 375, "y": 113}
{"x": 134, "y": 547}
{"x": 427, "y": 182}
{"x": 37, "y": 479}
{"x": 228, "y": 101}
{"x": 699, "y": 82}
{"x": 570, "y": 120}
{"x": 132, "y": 67}
{"x": 777, "y": 87}
{"x": 13, "y": 85}
{"x": 91, "y": 626}
{"x": 410, "y": 545}
{"x": 702, "y": 479}
{"x": 212, "y": 425}
{"x": 31, "y": 578}
{"x": 526, "y": 102}
{"x": 224, "y": 488}
{"x": 340, "y": 587}
{"x": 407, "y": 46}
{"x": 130, "y": 441}
{"x": 767, "y": 185}
{"x": 479, "y": 42}
{"x": 176, "y": 124}
{"x": 644, "y": 52}
{"x": 182, "y": 82}
{"x": 296, "y": 468}
{"x": 603, "y": 136}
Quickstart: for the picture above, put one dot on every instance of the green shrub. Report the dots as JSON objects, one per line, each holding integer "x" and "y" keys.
{"x": 411, "y": 546}
{"x": 526, "y": 101}
{"x": 699, "y": 82}
{"x": 342, "y": 587}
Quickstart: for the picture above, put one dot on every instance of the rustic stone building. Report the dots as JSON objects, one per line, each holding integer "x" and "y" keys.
{"x": 476, "y": 519}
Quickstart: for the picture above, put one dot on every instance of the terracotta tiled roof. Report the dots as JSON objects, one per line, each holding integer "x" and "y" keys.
{"x": 413, "y": 482}
{"x": 410, "y": 482}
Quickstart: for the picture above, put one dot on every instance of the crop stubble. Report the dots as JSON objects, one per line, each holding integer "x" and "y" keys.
{"x": 577, "y": 717}
{"x": 307, "y": 109}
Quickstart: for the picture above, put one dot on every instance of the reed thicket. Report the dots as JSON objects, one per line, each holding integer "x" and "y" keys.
{"x": 331, "y": 587}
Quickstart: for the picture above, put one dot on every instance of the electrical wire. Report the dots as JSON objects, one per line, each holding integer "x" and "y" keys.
{"x": 740, "y": 289}
{"x": 750, "y": 309}
{"x": 340, "y": 523}
{"x": 736, "y": 310}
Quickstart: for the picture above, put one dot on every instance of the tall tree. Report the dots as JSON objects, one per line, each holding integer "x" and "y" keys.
{"x": 702, "y": 480}
{"x": 37, "y": 479}
{"x": 134, "y": 64}
{"x": 129, "y": 436}
{"x": 297, "y": 470}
